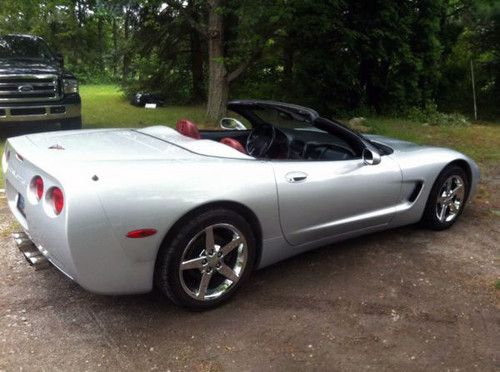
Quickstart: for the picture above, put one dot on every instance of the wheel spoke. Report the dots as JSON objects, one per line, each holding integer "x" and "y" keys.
{"x": 195, "y": 263}
{"x": 442, "y": 213}
{"x": 231, "y": 245}
{"x": 209, "y": 239}
{"x": 205, "y": 280}
{"x": 456, "y": 189}
{"x": 448, "y": 187}
{"x": 228, "y": 272}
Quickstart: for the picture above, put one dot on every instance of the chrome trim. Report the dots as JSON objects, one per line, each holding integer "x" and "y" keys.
{"x": 29, "y": 250}
{"x": 72, "y": 111}
{"x": 52, "y": 93}
{"x": 450, "y": 199}
{"x": 208, "y": 259}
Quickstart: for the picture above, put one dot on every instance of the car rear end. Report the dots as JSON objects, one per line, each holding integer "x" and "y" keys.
{"x": 59, "y": 187}
{"x": 37, "y": 200}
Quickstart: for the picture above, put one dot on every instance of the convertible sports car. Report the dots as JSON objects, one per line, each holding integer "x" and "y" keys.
{"x": 194, "y": 212}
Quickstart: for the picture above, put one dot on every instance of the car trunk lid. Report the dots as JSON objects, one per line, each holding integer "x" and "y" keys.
{"x": 96, "y": 145}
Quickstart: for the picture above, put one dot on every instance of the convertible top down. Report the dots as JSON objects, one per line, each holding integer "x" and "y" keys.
{"x": 195, "y": 211}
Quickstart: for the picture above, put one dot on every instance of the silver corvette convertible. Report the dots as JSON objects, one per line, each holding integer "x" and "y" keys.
{"x": 194, "y": 212}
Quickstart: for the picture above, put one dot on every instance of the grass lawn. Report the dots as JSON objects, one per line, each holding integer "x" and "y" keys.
{"x": 105, "y": 106}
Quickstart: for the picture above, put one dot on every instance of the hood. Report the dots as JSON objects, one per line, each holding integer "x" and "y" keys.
{"x": 29, "y": 67}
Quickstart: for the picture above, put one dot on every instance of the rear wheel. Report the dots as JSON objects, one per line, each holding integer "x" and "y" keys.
{"x": 210, "y": 257}
{"x": 447, "y": 199}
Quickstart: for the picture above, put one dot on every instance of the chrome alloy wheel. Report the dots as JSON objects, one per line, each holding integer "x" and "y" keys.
{"x": 213, "y": 262}
{"x": 450, "y": 199}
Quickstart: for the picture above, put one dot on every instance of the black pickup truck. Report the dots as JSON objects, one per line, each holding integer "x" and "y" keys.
{"x": 35, "y": 88}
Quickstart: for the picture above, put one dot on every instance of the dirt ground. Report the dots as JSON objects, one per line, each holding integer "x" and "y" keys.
{"x": 407, "y": 299}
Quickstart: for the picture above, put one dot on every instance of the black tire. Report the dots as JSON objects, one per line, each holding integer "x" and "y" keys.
{"x": 72, "y": 124}
{"x": 168, "y": 272}
{"x": 430, "y": 218}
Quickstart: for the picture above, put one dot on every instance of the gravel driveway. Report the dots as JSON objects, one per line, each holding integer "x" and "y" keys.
{"x": 407, "y": 299}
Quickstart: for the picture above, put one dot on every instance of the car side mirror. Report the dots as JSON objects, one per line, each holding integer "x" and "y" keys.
{"x": 60, "y": 59}
{"x": 231, "y": 124}
{"x": 371, "y": 157}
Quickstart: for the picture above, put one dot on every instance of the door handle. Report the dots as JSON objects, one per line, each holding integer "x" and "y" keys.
{"x": 295, "y": 177}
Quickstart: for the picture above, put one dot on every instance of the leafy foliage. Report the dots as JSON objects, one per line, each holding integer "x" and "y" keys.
{"x": 341, "y": 57}
{"x": 431, "y": 116}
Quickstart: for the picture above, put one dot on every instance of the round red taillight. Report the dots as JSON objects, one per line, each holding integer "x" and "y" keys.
{"x": 37, "y": 187}
{"x": 57, "y": 199}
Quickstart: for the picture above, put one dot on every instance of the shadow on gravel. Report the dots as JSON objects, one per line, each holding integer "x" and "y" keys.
{"x": 27, "y": 129}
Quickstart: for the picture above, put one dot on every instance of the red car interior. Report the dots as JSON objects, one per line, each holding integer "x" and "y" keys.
{"x": 188, "y": 128}
{"x": 231, "y": 142}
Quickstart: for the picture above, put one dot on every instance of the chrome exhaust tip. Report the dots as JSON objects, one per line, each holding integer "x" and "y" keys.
{"x": 30, "y": 252}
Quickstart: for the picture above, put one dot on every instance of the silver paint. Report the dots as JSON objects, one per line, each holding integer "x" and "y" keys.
{"x": 152, "y": 177}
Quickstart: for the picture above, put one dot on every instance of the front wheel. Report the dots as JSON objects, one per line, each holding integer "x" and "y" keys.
{"x": 447, "y": 199}
{"x": 209, "y": 258}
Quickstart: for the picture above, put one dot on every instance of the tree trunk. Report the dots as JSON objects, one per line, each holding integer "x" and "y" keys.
{"x": 100, "y": 35}
{"x": 197, "y": 93}
{"x": 126, "y": 53}
{"x": 218, "y": 84}
{"x": 115, "y": 48}
{"x": 288, "y": 61}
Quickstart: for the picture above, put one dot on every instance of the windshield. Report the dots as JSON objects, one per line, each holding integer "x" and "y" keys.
{"x": 280, "y": 117}
{"x": 24, "y": 47}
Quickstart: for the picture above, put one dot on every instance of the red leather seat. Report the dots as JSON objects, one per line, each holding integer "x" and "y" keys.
{"x": 188, "y": 128}
{"x": 231, "y": 142}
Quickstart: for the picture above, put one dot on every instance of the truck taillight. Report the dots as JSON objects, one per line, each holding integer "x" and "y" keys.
{"x": 37, "y": 187}
{"x": 56, "y": 198}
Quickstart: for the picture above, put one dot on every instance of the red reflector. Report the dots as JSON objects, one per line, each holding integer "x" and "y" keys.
{"x": 141, "y": 233}
{"x": 57, "y": 198}
{"x": 38, "y": 186}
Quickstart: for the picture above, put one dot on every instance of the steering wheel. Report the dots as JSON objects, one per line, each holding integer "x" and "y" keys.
{"x": 260, "y": 140}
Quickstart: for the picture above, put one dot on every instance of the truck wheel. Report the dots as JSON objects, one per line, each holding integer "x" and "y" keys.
{"x": 72, "y": 124}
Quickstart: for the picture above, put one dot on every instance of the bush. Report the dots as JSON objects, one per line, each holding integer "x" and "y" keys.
{"x": 431, "y": 116}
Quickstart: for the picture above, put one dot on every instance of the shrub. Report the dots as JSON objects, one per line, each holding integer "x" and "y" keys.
{"x": 431, "y": 116}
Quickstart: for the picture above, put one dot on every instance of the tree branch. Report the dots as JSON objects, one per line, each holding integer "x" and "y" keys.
{"x": 233, "y": 75}
{"x": 186, "y": 13}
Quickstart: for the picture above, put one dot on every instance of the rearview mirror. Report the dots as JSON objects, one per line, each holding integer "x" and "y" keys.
{"x": 371, "y": 157}
{"x": 231, "y": 124}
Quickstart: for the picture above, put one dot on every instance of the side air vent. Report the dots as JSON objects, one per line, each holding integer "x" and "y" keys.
{"x": 414, "y": 194}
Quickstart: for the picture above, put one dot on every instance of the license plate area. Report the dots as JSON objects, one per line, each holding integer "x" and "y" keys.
{"x": 21, "y": 204}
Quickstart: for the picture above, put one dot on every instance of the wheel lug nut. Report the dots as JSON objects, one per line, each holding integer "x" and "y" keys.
{"x": 204, "y": 262}
{"x": 219, "y": 254}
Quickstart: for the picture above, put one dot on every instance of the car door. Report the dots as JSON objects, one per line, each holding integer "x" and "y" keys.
{"x": 321, "y": 199}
